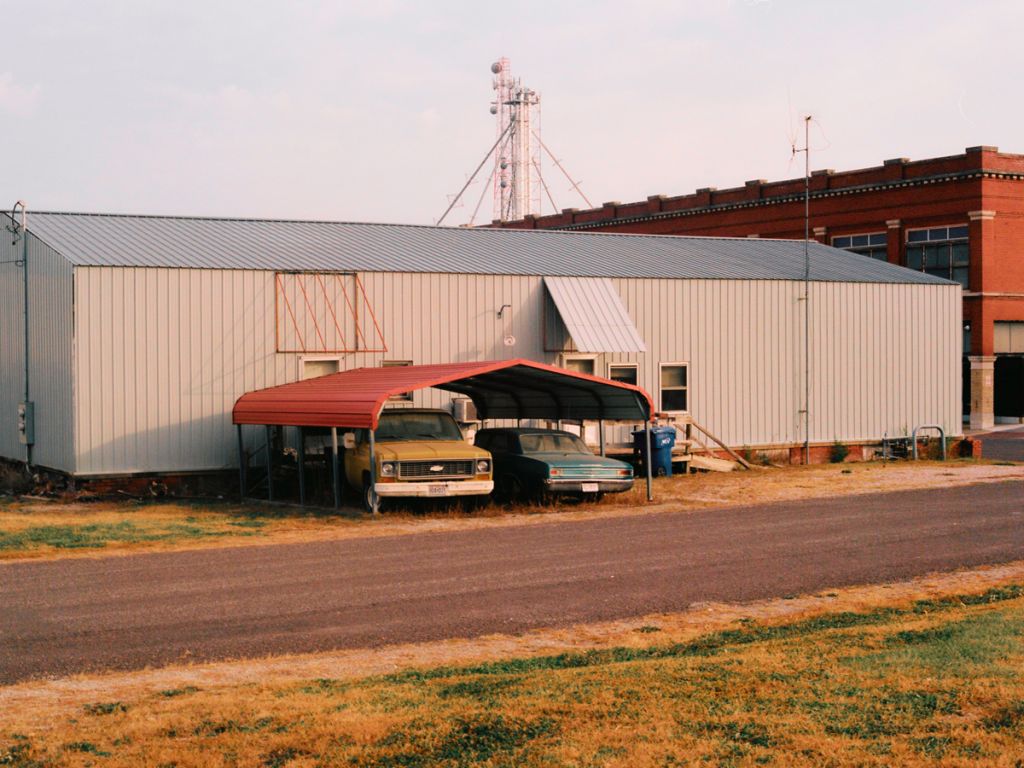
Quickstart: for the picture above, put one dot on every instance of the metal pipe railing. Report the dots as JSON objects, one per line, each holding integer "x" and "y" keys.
{"x": 942, "y": 437}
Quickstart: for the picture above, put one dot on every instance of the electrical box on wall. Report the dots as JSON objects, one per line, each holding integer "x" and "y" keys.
{"x": 27, "y": 423}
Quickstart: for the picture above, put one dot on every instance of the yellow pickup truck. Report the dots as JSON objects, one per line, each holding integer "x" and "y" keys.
{"x": 418, "y": 452}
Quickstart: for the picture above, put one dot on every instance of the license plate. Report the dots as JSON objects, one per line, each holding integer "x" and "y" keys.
{"x": 590, "y": 487}
{"x": 437, "y": 489}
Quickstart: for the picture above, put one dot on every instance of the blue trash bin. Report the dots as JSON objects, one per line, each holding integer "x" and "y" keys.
{"x": 663, "y": 440}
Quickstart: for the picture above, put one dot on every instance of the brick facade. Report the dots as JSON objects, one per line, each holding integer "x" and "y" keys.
{"x": 982, "y": 189}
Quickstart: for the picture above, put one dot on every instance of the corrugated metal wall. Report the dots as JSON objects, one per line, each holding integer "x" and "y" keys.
{"x": 50, "y": 324}
{"x": 164, "y": 353}
{"x": 884, "y": 357}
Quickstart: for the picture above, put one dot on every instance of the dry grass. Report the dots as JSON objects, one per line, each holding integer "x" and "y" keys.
{"x": 923, "y": 673}
{"x": 33, "y": 529}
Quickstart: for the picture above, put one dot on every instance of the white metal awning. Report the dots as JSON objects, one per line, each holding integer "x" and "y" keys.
{"x": 594, "y": 314}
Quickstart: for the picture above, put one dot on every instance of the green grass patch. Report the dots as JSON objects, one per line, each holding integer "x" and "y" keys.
{"x": 105, "y": 708}
{"x": 171, "y": 693}
{"x": 100, "y": 535}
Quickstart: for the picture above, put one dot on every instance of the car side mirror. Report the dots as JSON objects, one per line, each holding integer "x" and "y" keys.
{"x": 348, "y": 441}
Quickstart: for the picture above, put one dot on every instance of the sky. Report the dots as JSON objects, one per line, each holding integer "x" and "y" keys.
{"x": 379, "y": 110}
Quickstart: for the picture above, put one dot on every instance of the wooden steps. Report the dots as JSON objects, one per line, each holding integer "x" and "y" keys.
{"x": 712, "y": 464}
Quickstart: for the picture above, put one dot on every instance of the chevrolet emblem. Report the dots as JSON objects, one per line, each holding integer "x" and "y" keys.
{"x": 437, "y": 468}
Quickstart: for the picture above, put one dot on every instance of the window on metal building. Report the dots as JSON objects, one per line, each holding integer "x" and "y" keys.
{"x": 940, "y": 251}
{"x": 673, "y": 387}
{"x": 403, "y": 396}
{"x": 874, "y": 245}
{"x": 310, "y": 367}
{"x": 623, "y": 372}
{"x": 579, "y": 363}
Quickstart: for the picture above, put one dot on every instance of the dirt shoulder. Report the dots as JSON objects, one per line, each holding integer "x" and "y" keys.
{"x": 33, "y": 529}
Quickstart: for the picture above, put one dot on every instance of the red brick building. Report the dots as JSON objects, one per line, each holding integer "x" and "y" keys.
{"x": 961, "y": 217}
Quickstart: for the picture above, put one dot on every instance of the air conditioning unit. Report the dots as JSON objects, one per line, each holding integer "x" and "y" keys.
{"x": 464, "y": 410}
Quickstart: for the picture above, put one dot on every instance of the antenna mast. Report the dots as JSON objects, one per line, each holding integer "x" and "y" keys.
{"x": 807, "y": 285}
{"x": 517, "y": 161}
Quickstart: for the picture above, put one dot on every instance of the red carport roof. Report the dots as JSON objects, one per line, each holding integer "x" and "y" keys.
{"x": 500, "y": 389}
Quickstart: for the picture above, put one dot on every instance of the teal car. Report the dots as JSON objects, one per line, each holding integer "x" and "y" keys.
{"x": 532, "y": 462}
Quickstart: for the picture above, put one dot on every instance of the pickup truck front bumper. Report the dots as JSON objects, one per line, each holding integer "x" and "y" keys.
{"x": 436, "y": 489}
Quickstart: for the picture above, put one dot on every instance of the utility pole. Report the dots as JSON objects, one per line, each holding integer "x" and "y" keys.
{"x": 807, "y": 286}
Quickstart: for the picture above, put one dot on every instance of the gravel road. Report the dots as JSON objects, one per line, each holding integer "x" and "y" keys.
{"x": 79, "y": 615}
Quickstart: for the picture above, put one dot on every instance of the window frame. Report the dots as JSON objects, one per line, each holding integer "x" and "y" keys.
{"x": 566, "y": 357}
{"x": 303, "y": 359}
{"x": 869, "y": 249}
{"x": 948, "y": 242}
{"x": 685, "y": 364}
{"x": 401, "y": 397}
{"x": 636, "y": 372}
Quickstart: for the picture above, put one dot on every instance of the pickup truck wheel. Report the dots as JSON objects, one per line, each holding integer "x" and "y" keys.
{"x": 473, "y": 503}
{"x": 368, "y": 498}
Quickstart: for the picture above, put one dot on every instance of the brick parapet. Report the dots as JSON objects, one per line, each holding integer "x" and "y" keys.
{"x": 974, "y": 164}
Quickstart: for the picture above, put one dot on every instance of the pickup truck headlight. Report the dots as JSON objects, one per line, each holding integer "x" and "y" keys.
{"x": 483, "y": 466}
{"x": 387, "y": 469}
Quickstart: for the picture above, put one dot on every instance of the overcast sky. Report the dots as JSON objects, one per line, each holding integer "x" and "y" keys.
{"x": 378, "y": 111}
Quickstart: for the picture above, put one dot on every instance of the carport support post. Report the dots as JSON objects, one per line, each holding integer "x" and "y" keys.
{"x": 373, "y": 473}
{"x": 270, "y": 463}
{"x": 600, "y": 429}
{"x": 241, "y": 463}
{"x": 647, "y": 461}
{"x": 335, "y": 485}
{"x": 302, "y": 467}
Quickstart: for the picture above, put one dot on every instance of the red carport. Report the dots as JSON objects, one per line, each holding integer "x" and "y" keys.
{"x": 503, "y": 389}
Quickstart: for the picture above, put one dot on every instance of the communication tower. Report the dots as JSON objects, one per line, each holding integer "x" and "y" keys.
{"x": 516, "y": 178}
{"x": 517, "y": 173}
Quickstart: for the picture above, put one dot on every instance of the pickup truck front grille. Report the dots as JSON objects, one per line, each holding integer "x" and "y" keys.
{"x": 425, "y": 470}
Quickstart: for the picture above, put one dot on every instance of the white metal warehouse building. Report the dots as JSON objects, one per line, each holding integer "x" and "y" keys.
{"x": 143, "y": 330}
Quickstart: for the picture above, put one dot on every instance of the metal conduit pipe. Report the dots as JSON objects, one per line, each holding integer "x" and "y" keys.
{"x": 28, "y": 414}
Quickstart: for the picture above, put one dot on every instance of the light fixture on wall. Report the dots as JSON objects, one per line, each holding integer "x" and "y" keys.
{"x": 501, "y": 312}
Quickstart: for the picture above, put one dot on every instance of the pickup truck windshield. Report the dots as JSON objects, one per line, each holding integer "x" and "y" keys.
{"x": 416, "y": 426}
{"x": 552, "y": 444}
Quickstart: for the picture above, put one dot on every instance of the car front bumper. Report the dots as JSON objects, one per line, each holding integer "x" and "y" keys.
{"x": 437, "y": 489}
{"x": 555, "y": 485}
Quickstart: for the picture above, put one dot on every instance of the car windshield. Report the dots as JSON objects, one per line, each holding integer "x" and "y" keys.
{"x": 416, "y": 425}
{"x": 542, "y": 443}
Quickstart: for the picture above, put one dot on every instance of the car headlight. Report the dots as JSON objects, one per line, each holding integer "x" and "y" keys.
{"x": 483, "y": 466}
{"x": 387, "y": 469}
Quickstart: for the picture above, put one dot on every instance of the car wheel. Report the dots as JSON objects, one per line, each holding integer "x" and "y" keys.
{"x": 510, "y": 487}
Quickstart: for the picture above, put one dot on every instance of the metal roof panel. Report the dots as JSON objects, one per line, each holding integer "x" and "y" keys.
{"x": 207, "y": 243}
{"x": 594, "y": 314}
{"x": 500, "y": 389}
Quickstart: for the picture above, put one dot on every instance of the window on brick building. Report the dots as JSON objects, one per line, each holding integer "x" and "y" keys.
{"x": 874, "y": 245}
{"x": 940, "y": 251}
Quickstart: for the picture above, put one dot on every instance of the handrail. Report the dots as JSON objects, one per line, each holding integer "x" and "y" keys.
{"x": 739, "y": 459}
{"x": 942, "y": 437}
